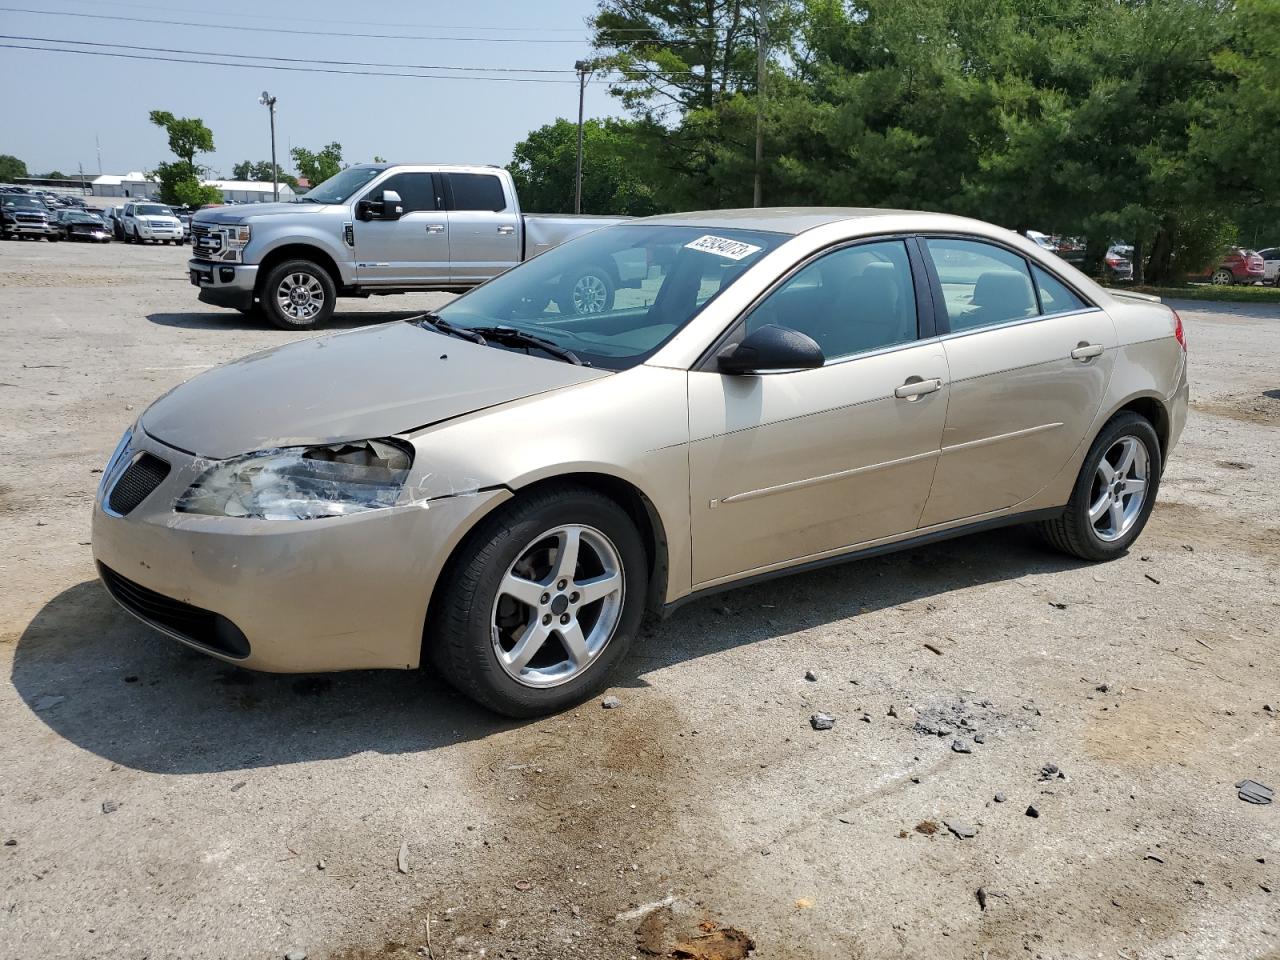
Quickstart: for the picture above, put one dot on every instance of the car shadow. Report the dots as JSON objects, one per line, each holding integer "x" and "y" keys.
{"x": 113, "y": 686}
{"x": 235, "y": 320}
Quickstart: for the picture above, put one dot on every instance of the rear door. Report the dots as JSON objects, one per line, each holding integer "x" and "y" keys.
{"x": 410, "y": 251}
{"x": 484, "y": 225}
{"x": 1030, "y": 360}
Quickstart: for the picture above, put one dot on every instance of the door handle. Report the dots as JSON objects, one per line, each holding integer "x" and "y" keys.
{"x": 917, "y": 388}
{"x": 506, "y": 229}
{"x": 1086, "y": 351}
{"x": 435, "y": 228}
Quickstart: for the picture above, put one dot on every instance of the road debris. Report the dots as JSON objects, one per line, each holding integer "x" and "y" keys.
{"x": 999, "y": 797}
{"x": 726, "y": 944}
{"x": 1051, "y": 771}
{"x": 962, "y": 830}
{"x": 1151, "y": 578}
{"x": 1032, "y": 812}
{"x": 611, "y": 703}
{"x": 981, "y": 894}
{"x": 932, "y": 649}
{"x": 1152, "y": 856}
{"x": 811, "y": 676}
{"x": 110, "y": 806}
{"x": 1250, "y": 791}
{"x": 959, "y": 746}
{"x": 402, "y": 858}
{"x": 638, "y": 913}
{"x": 296, "y": 955}
{"x": 927, "y": 827}
{"x": 523, "y": 885}
{"x": 822, "y": 721}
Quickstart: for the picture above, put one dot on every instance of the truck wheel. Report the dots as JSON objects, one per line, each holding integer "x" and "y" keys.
{"x": 586, "y": 291}
{"x": 298, "y": 295}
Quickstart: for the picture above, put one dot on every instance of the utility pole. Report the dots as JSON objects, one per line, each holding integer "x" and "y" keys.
{"x": 98, "y": 143}
{"x": 269, "y": 102}
{"x": 762, "y": 41}
{"x": 583, "y": 67}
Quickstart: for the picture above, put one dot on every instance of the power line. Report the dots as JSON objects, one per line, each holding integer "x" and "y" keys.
{"x": 272, "y": 66}
{"x": 251, "y": 56}
{"x": 376, "y": 23}
{"x": 294, "y": 31}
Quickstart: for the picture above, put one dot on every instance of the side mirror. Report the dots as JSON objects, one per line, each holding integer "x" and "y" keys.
{"x": 771, "y": 348}
{"x": 388, "y": 208}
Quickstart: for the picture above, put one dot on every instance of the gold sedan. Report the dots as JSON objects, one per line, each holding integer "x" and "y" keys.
{"x": 507, "y": 487}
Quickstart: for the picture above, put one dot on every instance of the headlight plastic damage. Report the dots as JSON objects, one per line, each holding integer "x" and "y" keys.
{"x": 302, "y": 483}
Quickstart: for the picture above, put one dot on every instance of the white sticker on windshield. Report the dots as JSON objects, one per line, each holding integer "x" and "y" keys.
{"x": 732, "y": 249}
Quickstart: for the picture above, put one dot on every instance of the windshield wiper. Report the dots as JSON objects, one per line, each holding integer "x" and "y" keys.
{"x": 306, "y": 200}
{"x": 441, "y": 325}
{"x": 510, "y": 336}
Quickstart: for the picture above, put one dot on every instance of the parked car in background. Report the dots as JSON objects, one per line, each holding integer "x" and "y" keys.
{"x": 23, "y": 216}
{"x": 505, "y": 488}
{"x": 1236, "y": 266}
{"x": 1270, "y": 265}
{"x": 115, "y": 224}
{"x": 185, "y": 220}
{"x": 1118, "y": 262}
{"x": 79, "y": 225}
{"x": 150, "y": 221}
{"x": 384, "y": 228}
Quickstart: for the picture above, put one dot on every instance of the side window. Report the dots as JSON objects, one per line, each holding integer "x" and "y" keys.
{"x": 477, "y": 191}
{"x": 415, "y": 189}
{"x": 1055, "y": 296}
{"x": 856, "y": 299}
{"x": 981, "y": 283}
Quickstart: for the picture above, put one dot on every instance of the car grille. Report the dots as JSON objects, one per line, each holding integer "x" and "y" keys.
{"x": 136, "y": 483}
{"x": 31, "y": 218}
{"x": 206, "y": 244}
{"x": 204, "y": 628}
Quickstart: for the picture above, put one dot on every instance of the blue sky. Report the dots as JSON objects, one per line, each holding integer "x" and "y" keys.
{"x": 57, "y": 102}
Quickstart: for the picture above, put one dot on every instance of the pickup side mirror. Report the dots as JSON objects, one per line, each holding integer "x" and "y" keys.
{"x": 388, "y": 208}
{"x": 771, "y": 348}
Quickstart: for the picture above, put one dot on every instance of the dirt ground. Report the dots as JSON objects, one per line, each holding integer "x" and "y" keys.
{"x": 155, "y": 804}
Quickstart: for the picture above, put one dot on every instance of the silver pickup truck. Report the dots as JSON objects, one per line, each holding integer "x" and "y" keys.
{"x": 386, "y": 228}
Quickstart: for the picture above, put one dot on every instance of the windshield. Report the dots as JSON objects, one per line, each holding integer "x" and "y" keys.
{"x": 21, "y": 201}
{"x": 153, "y": 210}
{"x": 340, "y": 188}
{"x": 615, "y": 295}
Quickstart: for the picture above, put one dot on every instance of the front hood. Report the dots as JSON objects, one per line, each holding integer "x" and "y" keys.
{"x": 369, "y": 383}
{"x": 249, "y": 213}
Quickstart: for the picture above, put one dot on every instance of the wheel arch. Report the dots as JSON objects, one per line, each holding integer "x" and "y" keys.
{"x": 298, "y": 251}
{"x": 1152, "y": 408}
{"x": 638, "y": 506}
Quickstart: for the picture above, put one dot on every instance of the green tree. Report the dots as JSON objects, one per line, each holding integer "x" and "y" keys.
{"x": 188, "y": 136}
{"x": 318, "y": 166}
{"x": 11, "y": 167}
{"x": 179, "y": 188}
{"x": 54, "y": 175}
{"x": 545, "y": 163}
{"x": 259, "y": 171}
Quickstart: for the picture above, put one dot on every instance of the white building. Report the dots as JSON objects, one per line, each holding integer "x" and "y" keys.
{"x": 135, "y": 184}
{"x": 249, "y": 191}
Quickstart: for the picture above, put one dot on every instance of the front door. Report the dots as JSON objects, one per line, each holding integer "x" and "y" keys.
{"x": 485, "y": 225}
{"x": 412, "y": 250}
{"x": 1030, "y": 361}
{"x": 795, "y": 465}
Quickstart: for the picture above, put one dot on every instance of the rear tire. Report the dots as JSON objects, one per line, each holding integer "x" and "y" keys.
{"x": 474, "y": 619}
{"x": 1101, "y": 520}
{"x": 305, "y": 309}
{"x": 1222, "y": 277}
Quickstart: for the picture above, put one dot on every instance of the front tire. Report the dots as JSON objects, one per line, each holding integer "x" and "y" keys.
{"x": 298, "y": 295}
{"x": 540, "y": 602}
{"x": 1114, "y": 492}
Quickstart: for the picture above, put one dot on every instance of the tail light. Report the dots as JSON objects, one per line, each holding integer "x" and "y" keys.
{"x": 1256, "y": 264}
{"x": 1178, "y": 333}
{"x": 1114, "y": 261}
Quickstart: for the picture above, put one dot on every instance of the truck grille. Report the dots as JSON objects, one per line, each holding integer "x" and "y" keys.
{"x": 204, "y": 628}
{"x": 206, "y": 244}
{"x": 31, "y": 218}
{"x": 136, "y": 483}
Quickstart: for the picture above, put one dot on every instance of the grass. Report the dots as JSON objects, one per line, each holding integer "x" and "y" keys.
{"x": 1210, "y": 292}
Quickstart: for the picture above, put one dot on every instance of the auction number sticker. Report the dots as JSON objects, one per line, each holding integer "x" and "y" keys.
{"x": 723, "y": 247}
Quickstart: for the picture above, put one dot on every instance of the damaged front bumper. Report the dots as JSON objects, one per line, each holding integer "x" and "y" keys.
{"x": 285, "y": 596}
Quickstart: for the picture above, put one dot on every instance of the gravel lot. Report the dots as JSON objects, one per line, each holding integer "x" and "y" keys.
{"x": 155, "y": 804}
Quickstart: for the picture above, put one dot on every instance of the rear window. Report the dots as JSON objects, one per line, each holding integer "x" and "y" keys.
{"x": 477, "y": 191}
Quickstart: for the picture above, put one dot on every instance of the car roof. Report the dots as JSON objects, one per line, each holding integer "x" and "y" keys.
{"x": 796, "y": 220}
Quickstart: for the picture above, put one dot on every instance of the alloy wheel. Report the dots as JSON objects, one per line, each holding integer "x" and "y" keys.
{"x": 300, "y": 297}
{"x": 1119, "y": 488}
{"x": 589, "y": 294}
{"x": 558, "y": 606}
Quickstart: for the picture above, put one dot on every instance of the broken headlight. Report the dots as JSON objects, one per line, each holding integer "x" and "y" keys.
{"x": 302, "y": 483}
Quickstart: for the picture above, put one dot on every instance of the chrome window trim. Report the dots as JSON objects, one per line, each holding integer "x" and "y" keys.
{"x": 952, "y": 335}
